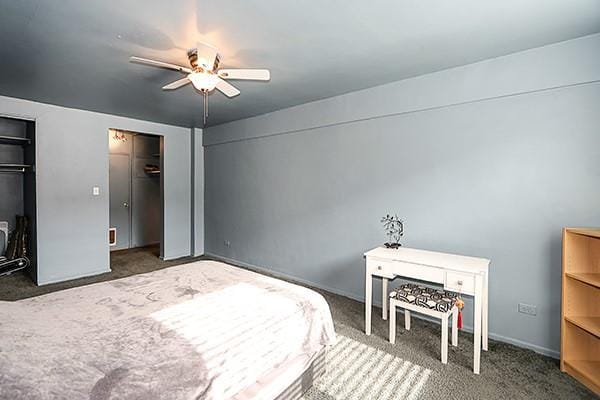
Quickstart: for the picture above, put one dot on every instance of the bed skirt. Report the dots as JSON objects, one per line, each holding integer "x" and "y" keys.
{"x": 316, "y": 369}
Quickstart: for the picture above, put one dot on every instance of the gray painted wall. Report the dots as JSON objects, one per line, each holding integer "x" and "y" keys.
{"x": 72, "y": 157}
{"x": 491, "y": 159}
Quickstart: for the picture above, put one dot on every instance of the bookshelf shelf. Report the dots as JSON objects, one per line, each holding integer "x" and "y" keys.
{"x": 590, "y": 279}
{"x": 588, "y": 324}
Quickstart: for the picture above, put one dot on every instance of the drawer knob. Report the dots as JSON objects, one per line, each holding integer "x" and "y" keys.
{"x": 459, "y": 283}
{"x": 379, "y": 267}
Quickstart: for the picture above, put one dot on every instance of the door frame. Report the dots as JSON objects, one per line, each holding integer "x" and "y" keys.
{"x": 161, "y": 138}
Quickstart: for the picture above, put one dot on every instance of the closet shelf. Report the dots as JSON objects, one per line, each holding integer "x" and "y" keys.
{"x": 7, "y": 165}
{"x": 589, "y": 278}
{"x": 19, "y": 141}
{"x": 14, "y": 167}
{"x": 588, "y": 324}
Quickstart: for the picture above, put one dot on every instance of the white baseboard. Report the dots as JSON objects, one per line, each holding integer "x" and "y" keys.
{"x": 71, "y": 277}
{"x": 175, "y": 257}
{"x": 501, "y": 338}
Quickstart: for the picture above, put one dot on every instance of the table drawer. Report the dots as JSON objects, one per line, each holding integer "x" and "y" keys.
{"x": 421, "y": 272}
{"x": 380, "y": 268}
{"x": 390, "y": 269}
{"x": 459, "y": 282}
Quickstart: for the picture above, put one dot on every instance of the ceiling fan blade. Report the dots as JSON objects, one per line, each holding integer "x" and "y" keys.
{"x": 251, "y": 74}
{"x": 208, "y": 57}
{"x": 177, "y": 84}
{"x": 228, "y": 89}
{"x": 160, "y": 64}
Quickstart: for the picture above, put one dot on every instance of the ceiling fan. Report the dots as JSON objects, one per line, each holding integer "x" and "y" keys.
{"x": 204, "y": 74}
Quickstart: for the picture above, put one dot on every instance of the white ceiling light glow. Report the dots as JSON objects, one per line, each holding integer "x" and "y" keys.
{"x": 204, "y": 80}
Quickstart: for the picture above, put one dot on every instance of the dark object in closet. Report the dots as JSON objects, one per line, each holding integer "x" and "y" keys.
{"x": 8, "y": 267}
{"x": 16, "y": 254}
{"x": 17, "y": 243}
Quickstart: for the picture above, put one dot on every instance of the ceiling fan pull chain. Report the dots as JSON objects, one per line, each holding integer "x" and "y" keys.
{"x": 205, "y": 93}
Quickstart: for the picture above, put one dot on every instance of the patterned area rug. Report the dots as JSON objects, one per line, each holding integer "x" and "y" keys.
{"x": 362, "y": 372}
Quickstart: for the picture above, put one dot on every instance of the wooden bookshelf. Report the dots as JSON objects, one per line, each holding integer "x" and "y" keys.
{"x": 580, "y": 322}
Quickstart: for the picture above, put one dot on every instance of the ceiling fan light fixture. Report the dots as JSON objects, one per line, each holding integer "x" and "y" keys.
{"x": 203, "y": 80}
{"x": 205, "y": 74}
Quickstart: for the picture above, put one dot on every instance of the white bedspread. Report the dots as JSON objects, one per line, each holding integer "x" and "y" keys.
{"x": 204, "y": 330}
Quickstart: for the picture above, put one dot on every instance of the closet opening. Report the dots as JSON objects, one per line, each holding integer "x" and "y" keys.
{"x": 18, "y": 247}
{"x": 135, "y": 191}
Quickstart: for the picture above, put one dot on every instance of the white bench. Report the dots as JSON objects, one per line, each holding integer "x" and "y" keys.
{"x": 433, "y": 302}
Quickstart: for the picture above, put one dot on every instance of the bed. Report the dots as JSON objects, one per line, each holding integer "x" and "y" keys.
{"x": 205, "y": 330}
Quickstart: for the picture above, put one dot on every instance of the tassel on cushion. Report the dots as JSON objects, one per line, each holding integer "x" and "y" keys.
{"x": 460, "y": 304}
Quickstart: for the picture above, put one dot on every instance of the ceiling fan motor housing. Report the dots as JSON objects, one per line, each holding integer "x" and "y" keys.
{"x": 193, "y": 58}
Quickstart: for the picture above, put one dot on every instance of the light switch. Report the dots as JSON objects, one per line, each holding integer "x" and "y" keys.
{"x": 96, "y": 191}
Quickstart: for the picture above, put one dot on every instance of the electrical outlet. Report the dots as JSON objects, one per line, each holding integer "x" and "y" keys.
{"x": 227, "y": 243}
{"x": 96, "y": 191}
{"x": 527, "y": 309}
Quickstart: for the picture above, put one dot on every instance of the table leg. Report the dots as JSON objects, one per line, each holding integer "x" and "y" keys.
{"x": 392, "y": 323}
{"x": 368, "y": 301}
{"x": 484, "y": 330}
{"x": 444, "y": 340}
{"x": 455, "y": 327}
{"x": 384, "y": 298}
{"x": 477, "y": 319}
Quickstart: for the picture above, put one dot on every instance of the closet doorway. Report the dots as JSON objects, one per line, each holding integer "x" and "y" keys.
{"x": 135, "y": 189}
{"x": 18, "y": 232}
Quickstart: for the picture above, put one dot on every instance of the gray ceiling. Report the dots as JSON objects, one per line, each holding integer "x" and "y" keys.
{"x": 75, "y": 52}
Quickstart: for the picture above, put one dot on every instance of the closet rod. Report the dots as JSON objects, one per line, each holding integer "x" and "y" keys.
{"x": 5, "y": 167}
{"x": 11, "y": 170}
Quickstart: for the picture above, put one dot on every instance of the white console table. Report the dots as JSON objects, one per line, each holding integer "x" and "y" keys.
{"x": 467, "y": 275}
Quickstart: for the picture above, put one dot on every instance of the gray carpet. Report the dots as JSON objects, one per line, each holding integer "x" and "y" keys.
{"x": 123, "y": 263}
{"x": 369, "y": 367}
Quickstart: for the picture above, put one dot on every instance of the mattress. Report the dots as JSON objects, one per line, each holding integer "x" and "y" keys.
{"x": 205, "y": 330}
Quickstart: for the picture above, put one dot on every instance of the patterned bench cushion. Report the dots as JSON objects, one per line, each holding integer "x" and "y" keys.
{"x": 434, "y": 299}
